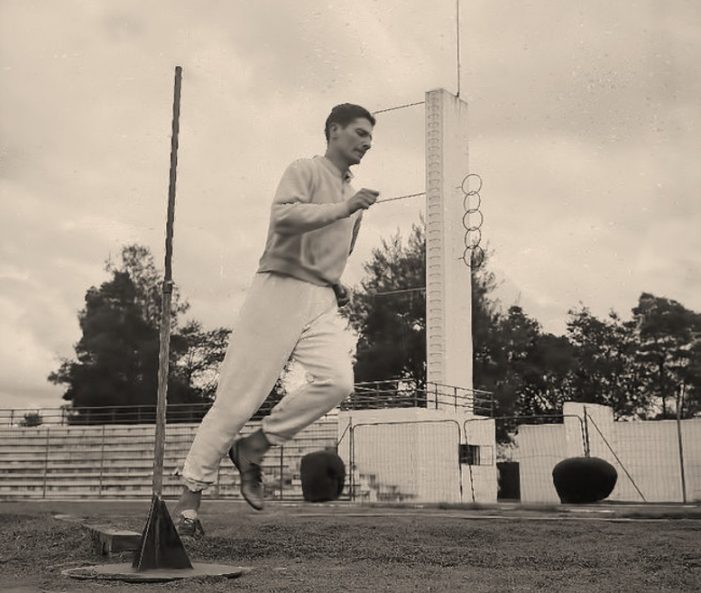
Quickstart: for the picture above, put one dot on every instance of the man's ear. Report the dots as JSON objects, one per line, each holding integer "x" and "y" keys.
{"x": 334, "y": 127}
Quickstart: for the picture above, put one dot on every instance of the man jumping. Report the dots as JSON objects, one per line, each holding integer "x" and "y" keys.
{"x": 290, "y": 311}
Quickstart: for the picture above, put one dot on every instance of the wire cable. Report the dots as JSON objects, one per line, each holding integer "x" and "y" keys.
{"x": 457, "y": 30}
{"x": 398, "y": 291}
{"x": 398, "y": 107}
{"x": 423, "y": 193}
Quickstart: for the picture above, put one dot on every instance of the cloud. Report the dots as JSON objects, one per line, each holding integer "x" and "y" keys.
{"x": 570, "y": 224}
{"x": 584, "y": 126}
{"x": 27, "y": 348}
{"x": 599, "y": 72}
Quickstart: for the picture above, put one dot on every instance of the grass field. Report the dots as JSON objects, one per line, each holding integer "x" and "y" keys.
{"x": 324, "y": 548}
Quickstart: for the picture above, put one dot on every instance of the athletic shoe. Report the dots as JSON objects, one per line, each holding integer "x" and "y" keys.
{"x": 251, "y": 477}
{"x": 187, "y": 527}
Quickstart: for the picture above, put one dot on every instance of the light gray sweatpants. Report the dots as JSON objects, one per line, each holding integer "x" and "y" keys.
{"x": 281, "y": 317}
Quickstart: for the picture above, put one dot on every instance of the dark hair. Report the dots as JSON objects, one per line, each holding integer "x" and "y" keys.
{"x": 344, "y": 114}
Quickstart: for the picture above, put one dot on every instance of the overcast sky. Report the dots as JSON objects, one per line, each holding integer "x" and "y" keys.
{"x": 584, "y": 124}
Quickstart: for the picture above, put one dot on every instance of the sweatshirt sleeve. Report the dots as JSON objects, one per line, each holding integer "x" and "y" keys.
{"x": 293, "y": 211}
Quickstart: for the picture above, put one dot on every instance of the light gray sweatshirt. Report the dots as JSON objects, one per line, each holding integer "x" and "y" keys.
{"x": 311, "y": 231}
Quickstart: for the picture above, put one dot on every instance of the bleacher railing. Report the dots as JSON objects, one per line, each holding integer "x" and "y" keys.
{"x": 396, "y": 393}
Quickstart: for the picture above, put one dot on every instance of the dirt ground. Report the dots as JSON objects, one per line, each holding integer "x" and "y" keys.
{"x": 300, "y": 548}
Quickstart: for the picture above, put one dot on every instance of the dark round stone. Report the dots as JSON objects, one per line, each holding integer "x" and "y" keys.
{"x": 580, "y": 480}
{"x": 323, "y": 476}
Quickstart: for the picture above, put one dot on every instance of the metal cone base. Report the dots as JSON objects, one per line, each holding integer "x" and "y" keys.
{"x": 160, "y": 545}
{"x": 160, "y": 557}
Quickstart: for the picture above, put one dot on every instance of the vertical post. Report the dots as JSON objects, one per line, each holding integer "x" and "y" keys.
{"x": 351, "y": 459}
{"x": 582, "y": 434}
{"x": 46, "y": 463}
{"x": 448, "y": 279}
{"x": 680, "y": 440}
{"x": 460, "y": 464}
{"x": 282, "y": 467}
{"x": 457, "y": 43}
{"x": 586, "y": 433}
{"x": 217, "y": 487}
{"x": 102, "y": 459}
{"x": 164, "y": 352}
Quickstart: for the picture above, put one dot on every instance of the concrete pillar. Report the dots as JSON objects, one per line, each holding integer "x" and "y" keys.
{"x": 448, "y": 280}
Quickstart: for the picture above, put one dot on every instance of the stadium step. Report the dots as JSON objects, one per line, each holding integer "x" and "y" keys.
{"x": 115, "y": 461}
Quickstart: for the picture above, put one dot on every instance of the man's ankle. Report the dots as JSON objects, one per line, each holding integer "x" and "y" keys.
{"x": 255, "y": 446}
{"x": 189, "y": 502}
{"x": 189, "y": 514}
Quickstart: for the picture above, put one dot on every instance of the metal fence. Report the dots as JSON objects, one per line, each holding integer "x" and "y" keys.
{"x": 396, "y": 393}
{"x": 404, "y": 461}
{"x": 116, "y": 461}
{"x": 400, "y": 393}
{"x": 106, "y": 451}
{"x": 656, "y": 461}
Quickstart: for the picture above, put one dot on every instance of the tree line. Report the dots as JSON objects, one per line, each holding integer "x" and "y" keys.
{"x": 646, "y": 367}
{"x": 116, "y": 359}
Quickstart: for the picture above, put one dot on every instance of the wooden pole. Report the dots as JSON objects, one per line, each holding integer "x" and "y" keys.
{"x": 164, "y": 353}
{"x": 680, "y": 441}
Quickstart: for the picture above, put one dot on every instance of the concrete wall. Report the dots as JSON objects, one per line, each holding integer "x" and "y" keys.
{"x": 645, "y": 455}
{"x": 538, "y": 450}
{"x": 480, "y": 482}
{"x": 691, "y": 435}
{"x": 413, "y": 455}
{"x": 649, "y": 451}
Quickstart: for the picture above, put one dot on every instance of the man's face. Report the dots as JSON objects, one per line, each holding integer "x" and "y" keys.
{"x": 353, "y": 141}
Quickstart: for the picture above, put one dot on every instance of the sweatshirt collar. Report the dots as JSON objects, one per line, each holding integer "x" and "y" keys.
{"x": 329, "y": 164}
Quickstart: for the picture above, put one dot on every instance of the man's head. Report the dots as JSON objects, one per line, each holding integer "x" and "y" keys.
{"x": 348, "y": 132}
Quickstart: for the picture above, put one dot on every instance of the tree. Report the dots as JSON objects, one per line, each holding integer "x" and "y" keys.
{"x": 689, "y": 394}
{"x": 669, "y": 347}
{"x": 117, "y": 355}
{"x": 32, "y": 420}
{"x": 388, "y": 312}
{"x": 487, "y": 348}
{"x": 546, "y": 374}
{"x": 136, "y": 261}
{"x": 116, "y": 359}
{"x": 607, "y": 370}
{"x": 626, "y": 365}
{"x": 198, "y": 354}
{"x": 533, "y": 367}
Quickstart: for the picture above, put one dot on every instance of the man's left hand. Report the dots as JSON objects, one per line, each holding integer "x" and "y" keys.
{"x": 343, "y": 295}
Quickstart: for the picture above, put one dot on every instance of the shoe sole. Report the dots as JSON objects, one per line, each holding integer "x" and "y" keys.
{"x": 197, "y": 533}
{"x": 233, "y": 455}
{"x": 191, "y": 536}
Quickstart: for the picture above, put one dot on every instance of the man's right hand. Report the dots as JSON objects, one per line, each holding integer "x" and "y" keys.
{"x": 362, "y": 200}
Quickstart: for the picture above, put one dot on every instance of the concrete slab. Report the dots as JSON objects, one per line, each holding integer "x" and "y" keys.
{"x": 125, "y": 572}
{"x": 108, "y": 540}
